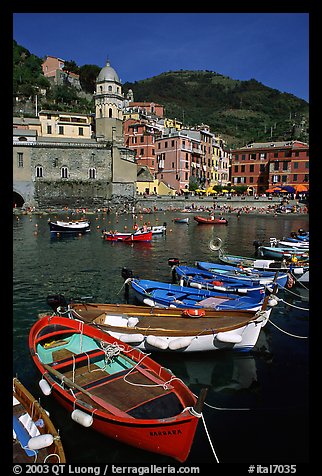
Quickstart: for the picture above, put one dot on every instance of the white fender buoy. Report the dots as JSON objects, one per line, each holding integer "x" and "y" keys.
{"x": 196, "y": 285}
{"x": 157, "y": 342}
{"x": 82, "y": 418}
{"x": 180, "y": 343}
{"x": 229, "y": 337}
{"x": 40, "y": 441}
{"x": 131, "y": 338}
{"x": 132, "y": 321}
{"x": 45, "y": 387}
{"x": 272, "y": 302}
{"x": 149, "y": 302}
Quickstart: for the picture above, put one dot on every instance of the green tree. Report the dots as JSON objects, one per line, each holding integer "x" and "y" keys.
{"x": 87, "y": 77}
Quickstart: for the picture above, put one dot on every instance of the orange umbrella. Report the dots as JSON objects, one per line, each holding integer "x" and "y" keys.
{"x": 300, "y": 188}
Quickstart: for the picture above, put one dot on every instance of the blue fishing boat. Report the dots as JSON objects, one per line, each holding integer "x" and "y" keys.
{"x": 160, "y": 294}
{"x": 242, "y": 275}
{"x": 296, "y": 268}
{"x": 201, "y": 279}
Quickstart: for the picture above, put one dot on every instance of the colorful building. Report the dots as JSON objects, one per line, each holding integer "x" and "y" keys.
{"x": 263, "y": 166}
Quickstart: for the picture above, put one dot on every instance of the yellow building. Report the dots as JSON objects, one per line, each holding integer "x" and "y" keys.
{"x": 65, "y": 125}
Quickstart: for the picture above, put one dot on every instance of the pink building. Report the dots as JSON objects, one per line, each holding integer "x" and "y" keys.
{"x": 53, "y": 70}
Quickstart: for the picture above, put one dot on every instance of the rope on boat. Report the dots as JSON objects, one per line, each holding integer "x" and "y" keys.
{"x": 209, "y": 439}
{"x": 165, "y": 385}
{"x": 52, "y": 454}
{"x": 289, "y": 304}
{"x": 287, "y": 333}
{"x": 303, "y": 298}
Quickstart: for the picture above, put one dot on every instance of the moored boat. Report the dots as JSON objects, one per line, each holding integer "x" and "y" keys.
{"x": 161, "y": 294}
{"x": 35, "y": 438}
{"x": 172, "y": 330}
{"x": 181, "y": 220}
{"x": 114, "y": 388}
{"x": 73, "y": 226}
{"x": 243, "y": 275}
{"x": 211, "y": 220}
{"x": 297, "y": 268}
{"x": 138, "y": 235}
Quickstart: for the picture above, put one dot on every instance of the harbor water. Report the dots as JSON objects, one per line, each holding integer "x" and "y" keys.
{"x": 257, "y": 404}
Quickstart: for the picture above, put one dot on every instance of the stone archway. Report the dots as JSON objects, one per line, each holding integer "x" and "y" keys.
{"x": 17, "y": 200}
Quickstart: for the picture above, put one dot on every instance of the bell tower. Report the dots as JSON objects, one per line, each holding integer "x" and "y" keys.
{"x": 109, "y": 105}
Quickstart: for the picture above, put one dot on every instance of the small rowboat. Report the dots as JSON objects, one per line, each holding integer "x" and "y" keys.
{"x": 35, "y": 439}
{"x": 127, "y": 237}
{"x": 181, "y": 220}
{"x": 113, "y": 388}
{"x": 210, "y": 221}
{"x": 172, "y": 330}
{"x": 74, "y": 226}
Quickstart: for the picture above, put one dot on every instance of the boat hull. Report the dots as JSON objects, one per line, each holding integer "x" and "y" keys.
{"x": 173, "y": 330}
{"x": 159, "y": 294}
{"x": 128, "y": 237}
{"x": 69, "y": 227}
{"x": 209, "y": 221}
{"x": 171, "y": 433}
{"x": 26, "y": 409}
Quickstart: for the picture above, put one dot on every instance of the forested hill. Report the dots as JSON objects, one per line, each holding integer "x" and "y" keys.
{"x": 240, "y": 111}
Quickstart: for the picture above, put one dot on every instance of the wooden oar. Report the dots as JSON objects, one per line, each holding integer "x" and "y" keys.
{"x": 95, "y": 399}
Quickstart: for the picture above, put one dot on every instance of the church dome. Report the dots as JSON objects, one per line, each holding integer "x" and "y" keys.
{"x": 108, "y": 74}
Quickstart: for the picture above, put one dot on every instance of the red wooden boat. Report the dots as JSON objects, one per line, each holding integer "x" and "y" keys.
{"x": 113, "y": 388}
{"x": 211, "y": 220}
{"x": 128, "y": 237}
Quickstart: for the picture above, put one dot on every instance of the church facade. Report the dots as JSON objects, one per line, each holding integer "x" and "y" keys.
{"x": 57, "y": 162}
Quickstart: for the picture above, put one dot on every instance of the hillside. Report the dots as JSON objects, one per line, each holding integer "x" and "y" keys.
{"x": 240, "y": 111}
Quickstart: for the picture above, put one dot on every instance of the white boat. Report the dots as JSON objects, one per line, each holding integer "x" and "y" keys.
{"x": 174, "y": 330}
{"x": 73, "y": 226}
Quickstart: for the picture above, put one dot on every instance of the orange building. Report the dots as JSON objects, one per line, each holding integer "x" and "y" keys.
{"x": 262, "y": 166}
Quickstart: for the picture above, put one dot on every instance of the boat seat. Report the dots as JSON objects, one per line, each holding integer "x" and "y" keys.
{"x": 70, "y": 360}
{"x": 212, "y": 302}
{"x": 22, "y": 435}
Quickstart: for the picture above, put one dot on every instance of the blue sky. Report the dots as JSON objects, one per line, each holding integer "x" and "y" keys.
{"x": 272, "y": 48}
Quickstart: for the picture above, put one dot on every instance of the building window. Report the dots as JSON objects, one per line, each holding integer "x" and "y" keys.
{"x": 276, "y": 165}
{"x": 243, "y": 157}
{"x": 92, "y": 173}
{"x": 236, "y": 168}
{"x": 262, "y": 168}
{"x": 48, "y": 129}
{"x": 39, "y": 171}
{"x": 64, "y": 172}
{"x": 142, "y": 139}
{"x": 20, "y": 159}
{"x": 55, "y": 162}
{"x": 243, "y": 168}
{"x": 285, "y": 165}
{"x": 284, "y": 178}
{"x": 296, "y": 165}
{"x": 141, "y": 151}
{"x": 110, "y": 112}
{"x": 294, "y": 177}
{"x": 80, "y": 131}
{"x": 110, "y": 89}
{"x": 61, "y": 130}
{"x": 306, "y": 165}
{"x": 251, "y": 168}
